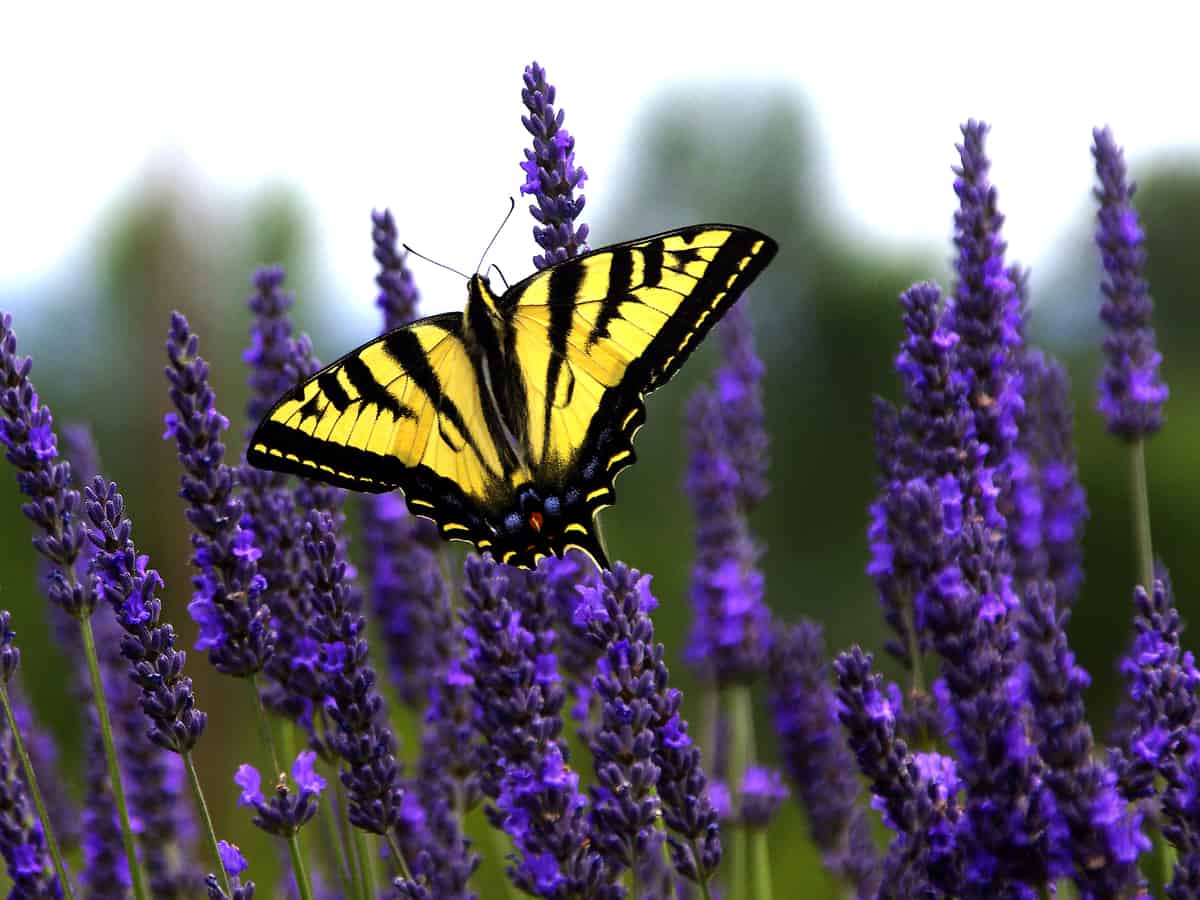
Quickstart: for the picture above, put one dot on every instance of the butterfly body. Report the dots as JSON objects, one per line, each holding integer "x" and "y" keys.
{"x": 508, "y": 423}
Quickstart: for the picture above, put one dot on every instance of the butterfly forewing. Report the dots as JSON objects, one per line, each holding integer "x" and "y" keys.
{"x": 594, "y": 334}
{"x": 403, "y": 411}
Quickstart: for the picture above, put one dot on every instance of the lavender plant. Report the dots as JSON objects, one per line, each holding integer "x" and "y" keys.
{"x": 981, "y": 767}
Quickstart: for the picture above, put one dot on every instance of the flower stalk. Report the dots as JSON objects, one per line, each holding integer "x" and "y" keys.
{"x": 31, "y": 780}
{"x": 114, "y": 768}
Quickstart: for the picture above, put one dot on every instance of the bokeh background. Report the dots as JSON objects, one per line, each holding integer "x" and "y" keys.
{"x": 151, "y": 160}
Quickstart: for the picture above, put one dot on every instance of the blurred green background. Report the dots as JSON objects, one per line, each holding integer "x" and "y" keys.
{"x": 827, "y": 325}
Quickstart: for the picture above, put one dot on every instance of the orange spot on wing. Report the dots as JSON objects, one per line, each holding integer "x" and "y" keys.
{"x": 535, "y": 521}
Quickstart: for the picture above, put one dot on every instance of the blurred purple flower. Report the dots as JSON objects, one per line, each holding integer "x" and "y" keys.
{"x": 1132, "y": 393}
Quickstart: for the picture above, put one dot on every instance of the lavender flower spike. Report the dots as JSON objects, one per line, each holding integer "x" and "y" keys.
{"x": 739, "y": 391}
{"x": 1163, "y": 685}
{"x": 1100, "y": 835}
{"x": 360, "y": 734}
{"x": 985, "y": 311}
{"x": 227, "y": 604}
{"x": 398, "y": 296}
{"x": 1131, "y": 392}
{"x": 518, "y": 701}
{"x": 815, "y": 755}
{"x": 551, "y": 175}
{"x": 27, "y": 432}
{"x": 732, "y": 628}
{"x": 123, "y": 578}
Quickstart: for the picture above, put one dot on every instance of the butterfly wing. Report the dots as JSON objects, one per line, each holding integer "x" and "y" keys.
{"x": 591, "y": 337}
{"x": 406, "y": 411}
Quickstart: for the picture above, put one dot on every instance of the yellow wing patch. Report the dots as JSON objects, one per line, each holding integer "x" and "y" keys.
{"x": 598, "y": 332}
{"x": 403, "y": 411}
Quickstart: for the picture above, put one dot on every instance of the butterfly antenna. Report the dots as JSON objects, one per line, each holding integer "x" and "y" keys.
{"x": 512, "y": 204}
{"x": 499, "y": 272}
{"x": 435, "y": 262}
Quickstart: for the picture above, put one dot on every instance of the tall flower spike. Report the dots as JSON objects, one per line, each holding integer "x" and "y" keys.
{"x": 518, "y": 702}
{"x": 914, "y": 793}
{"x": 1163, "y": 683}
{"x": 27, "y": 432}
{"x": 637, "y": 706}
{"x": 360, "y": 734}
{"x": 739, "y": 392}
{"x": 398, "y": 296}
{"x": 814, "y": 753}
{"x": 732, "y": 626}
{"x": 227, "y": 603}
{"x": 162, "y": 814}
{"x": 551, "y": 175}
{"x": 1132, "y": 393}
{"x": 22, "y": 843}
{"x": 986, "y": 310}
{"x": 1100, "y": 836}
{"x": 125, "y": 581}
{"x": 1050, "y": 506}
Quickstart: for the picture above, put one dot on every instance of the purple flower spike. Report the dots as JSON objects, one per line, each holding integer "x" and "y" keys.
{"x": 912, "y": 792}
{"x": 1097, "y": 837}
{"x": 26, "y": 431}
{"x": 732, "y": 627}
{"x": 739, "y": 393}
{"x": 235, "y": 864}
{"x": 227, "y": 602}
{"x": 638, "y": 711}
{"x": 124, "y": 579}
{"x": 985, "y": 311}
{"x": 287, "y": 810}
{"x": 551, "y": 175}
{"x": 1132, "y": 393}
{"x": 398, "y": 296}
{"x": 815, "y": 755}
{"x": 1163, "y": 684}
{"x": 1050, "y": 506}
{"x": 22, "y": 843}
{"x": 510, "y": 656}
{"x": 360, "y": 734}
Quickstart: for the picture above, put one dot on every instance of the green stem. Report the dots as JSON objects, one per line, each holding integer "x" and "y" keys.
{"x": 705, "y": 893}
{"x": 1141, "y": 516}
{"x": 264, "y": 728}
{"x": 302, "y": 884}
{"x": 349, "y": 845}
{"x": 762, "y": 864}
{"x": 366, "y": 853}
{"x": 110, "y": 754}
{"x": 31, "y": 779}
{"x": 741, "y": 753}
{"x": 210, "y": 833}
{"x": 398, "y": 854}
{"x": 914, "y": 648}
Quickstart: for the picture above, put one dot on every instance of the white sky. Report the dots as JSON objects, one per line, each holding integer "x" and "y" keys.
{"x": 417, "y": 108}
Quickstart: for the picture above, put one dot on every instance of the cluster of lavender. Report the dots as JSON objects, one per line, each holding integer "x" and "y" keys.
{"x": 983, "y": 768}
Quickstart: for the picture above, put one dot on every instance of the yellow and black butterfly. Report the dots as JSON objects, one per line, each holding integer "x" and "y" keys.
{"x": 508, "y": 423}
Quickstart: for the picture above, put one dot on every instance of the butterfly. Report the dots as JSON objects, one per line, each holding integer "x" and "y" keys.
{"x": 508, "y": 423}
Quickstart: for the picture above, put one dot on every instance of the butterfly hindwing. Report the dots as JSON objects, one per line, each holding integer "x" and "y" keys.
{"x": 404, "y": 411}
{"x": 593, "y": 335}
